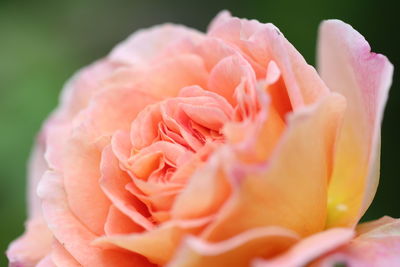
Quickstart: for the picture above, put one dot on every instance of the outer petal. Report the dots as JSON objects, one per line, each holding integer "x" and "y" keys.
{"x": 36, "y": 242}
{"x": 291, "y": 190}
{"x": 30, "y": 248}
{"x": 309, "y": 249}
{"x": 109, "y": 110}
{"x": 75, "y": 96}
{"x": 237, "y": 251}
{"x": 146, "y": 46}
{"x": 70, "y": 232}
{"x": 377, "y": 245}
{"x": 347, "y": 66}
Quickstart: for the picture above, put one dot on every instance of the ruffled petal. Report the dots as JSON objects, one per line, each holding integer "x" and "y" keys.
{"x": 290, "y": 191}
{"x": 263, "y": 43}
{"x": 108, "y": 111}
{"x": 71, "y": 233}
{"x": 113, "y": 182}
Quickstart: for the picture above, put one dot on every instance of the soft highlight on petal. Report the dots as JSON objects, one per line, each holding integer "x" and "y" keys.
{"x": 236, "y": 251}
{"x": 348, "y": 66}
{"x": 309, "y": 248}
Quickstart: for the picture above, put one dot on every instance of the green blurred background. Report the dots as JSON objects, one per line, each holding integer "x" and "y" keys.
{"x": 43, "y": 42}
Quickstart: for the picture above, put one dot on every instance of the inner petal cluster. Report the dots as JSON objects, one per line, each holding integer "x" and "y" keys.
{"x": 168, "y": 140}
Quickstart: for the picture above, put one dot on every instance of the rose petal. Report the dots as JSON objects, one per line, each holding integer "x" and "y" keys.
{"x": 213, "y": 50}
{"x": 82, "y": 86}
{"x": 290, "y": 190}
{"x": 264, "y": 42}
{"x": 378, "y": 244}
{"x": 205, "y": 192}
{"x": 228, "y": 74}
{"x": 145, "y": 46}
{"x": 118, "y": 223}
{"x": 157, "y": 245}
{"x": 36, "y": 242}
{"x": 236, "y": 251}
{"x": 162, "y": 79}
{"x": 266, "y": 123}
{"x": 308, "y": 249}
{"x": 69, "y": 231}
{"x": 349, "y": 68}
{"x": 61, "y": 257}
{"x": 34, "y": 245}
{"x": 108, "y": 111}
{"x": 113, "y": 181}
{"x": 46, "y": 262}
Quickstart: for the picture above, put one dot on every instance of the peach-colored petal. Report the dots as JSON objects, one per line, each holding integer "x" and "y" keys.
{"x": 46, "y": 262}
{"x": 155, "y": 202}
{"x": 82, "y": 86}
{"x": 213, "y": 50}
{"x": 118, "y": 223}
{"x": 108, "y": 111}
{"x": 205, "y": 192}
{"x": 34, "y": 245}
{"x": 383, "y": 227}
{"x": 157, "y": 245}
{"x": 169, "y": 77}
{"x": 348, "y": 67}
{"x": 264, "y": 42}
{"x": 309, "y": 248}
{"x": 144, "y": 129}
{"x": 61, "y": 257}
{"x": 267, "y": 123}
{"x": 236, "y": 251}
{"x": 121, "y": 146}
{"x": 162, "y": 79}
{"x": 37, "y": 167}
{"x": 276, "y": 89}
{"x": 290, "y": 191}
{"x": 75, "y": 96}
{"x": 69, "y": 231}
{"x": 228, "y": 74}
{"x": 155, "y": 187}
{"x": 113, "y": 181}
{"x": 375, "y": 225}
{"x": 303, "y": 83}
{"x": 377, "y": 244}
{"x": 145, "y": 46}
{"x": 36, "y": 242}
{"x": 233, "y": 30}
{"x": 56, "y": 130}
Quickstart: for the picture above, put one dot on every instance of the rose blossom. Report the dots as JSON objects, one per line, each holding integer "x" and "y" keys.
{"x": 220, "y": 149}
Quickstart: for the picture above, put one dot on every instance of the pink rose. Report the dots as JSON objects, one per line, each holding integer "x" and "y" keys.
{"x": 220, "y": 149}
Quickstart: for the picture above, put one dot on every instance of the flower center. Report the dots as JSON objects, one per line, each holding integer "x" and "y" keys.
{"x": 169, "y": 141}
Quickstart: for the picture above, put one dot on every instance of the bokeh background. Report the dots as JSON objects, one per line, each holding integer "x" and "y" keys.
{"x": 42, "y": 43}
